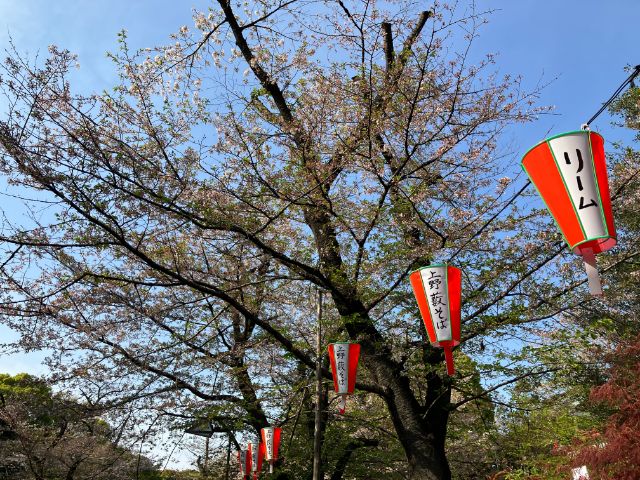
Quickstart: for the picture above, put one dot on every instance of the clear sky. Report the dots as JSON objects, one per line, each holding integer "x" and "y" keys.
{"x": 583, "y": 44}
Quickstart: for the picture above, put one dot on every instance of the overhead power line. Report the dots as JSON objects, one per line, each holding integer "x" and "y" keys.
{"x": 634, "y": 73}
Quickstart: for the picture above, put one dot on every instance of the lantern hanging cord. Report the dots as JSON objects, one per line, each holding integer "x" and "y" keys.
{"x": 627, "y": 82}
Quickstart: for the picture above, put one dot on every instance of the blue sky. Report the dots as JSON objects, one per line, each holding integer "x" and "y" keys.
{"x": 88, "y": 28}
{"x": 583, "y": 44}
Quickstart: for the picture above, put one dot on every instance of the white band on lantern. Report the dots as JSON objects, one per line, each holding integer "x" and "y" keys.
{"x": 268, "y": 443}
{"x": 255, "y": 453}
{"x": 434, "y": 281}
{"x": 595, "y": 288}
{"x": 341, "y": 359}
{"x": 575, "y": 164}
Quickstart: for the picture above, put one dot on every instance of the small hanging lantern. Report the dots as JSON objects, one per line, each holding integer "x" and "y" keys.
{"x": 437, "y": 289}
{"x": 244, "y": 458}
{"x": 570, "y": 173}
{"x": 256, "y": 449}
{"x": 271, "y": 444}
{"x": 344, "y": 365}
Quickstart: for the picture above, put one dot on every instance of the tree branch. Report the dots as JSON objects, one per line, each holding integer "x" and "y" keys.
{"x": 387, "y": 46}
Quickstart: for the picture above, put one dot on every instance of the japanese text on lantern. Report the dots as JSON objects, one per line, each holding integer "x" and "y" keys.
{"x": 579, "y": 164}
{"x": 255, "y": 451}
{"x": 243, "y": 456}
{"x": 434, "y": 280}
{"x": 572, "y": 154}
{"x": 268, "y": 443}
{"x": 341, "y": 352}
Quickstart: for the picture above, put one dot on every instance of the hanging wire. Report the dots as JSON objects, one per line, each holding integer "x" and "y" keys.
{"x": 628, "y": 81}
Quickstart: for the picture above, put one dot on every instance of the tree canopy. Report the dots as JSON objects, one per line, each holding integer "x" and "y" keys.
{"x": 181, "y": 222}
{"x": 46, "y": 436}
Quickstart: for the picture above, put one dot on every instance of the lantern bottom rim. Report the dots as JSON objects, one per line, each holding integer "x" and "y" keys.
{"x": 596, "y": 245}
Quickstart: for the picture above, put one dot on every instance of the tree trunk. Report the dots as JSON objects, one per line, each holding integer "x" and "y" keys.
{"x": 424, "y": 448}
{"x": 422, "y": 436}
{"x": 343, "y": 461}
{"x": 421, "y": 429}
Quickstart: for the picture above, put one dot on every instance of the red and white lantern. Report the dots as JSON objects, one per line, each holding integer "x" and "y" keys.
{"x": 344, "y": 366}
{"x": 570, "y": 173}
{"x": 271, "y": 444}
{"x": 256, "y": 450}
{"x": 244, "y": 458}
{"x": 437, "y": 289}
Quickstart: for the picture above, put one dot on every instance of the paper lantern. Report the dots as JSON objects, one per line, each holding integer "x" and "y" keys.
{"x": 570, "y": 173}
{"x": 244, "y": 458}
{"x": 271, "y": 442}
{"x": 256, "y": 450}
{"x": 437, "y": 289}
{"x": 344, "y": 365}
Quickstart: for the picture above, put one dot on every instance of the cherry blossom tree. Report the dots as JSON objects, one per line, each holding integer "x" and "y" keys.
{"x": 49, "y": 435}
{"x": 179, "y": 224}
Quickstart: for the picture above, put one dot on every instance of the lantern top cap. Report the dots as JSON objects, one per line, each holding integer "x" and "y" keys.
{"x": 343, "y": 343}
{"x": 433, "y": 265}
{"x": 564, "y": 134}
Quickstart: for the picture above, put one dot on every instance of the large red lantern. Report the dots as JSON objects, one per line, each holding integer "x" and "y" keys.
{"x": 344, "y": 366}
{"x": 570, "y": 173}
{"x": 271, "y": 442}
{"x": 437, "y": 289}
{"x": 244, "y": 457}
{"x": 256, "y": 450}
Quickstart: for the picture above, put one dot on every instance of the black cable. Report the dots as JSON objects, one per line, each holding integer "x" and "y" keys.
{"x": 629, "y": 80}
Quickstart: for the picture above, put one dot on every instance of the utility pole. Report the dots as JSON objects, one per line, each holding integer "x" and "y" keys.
{"x": 226, "y": 475}
{"x": 206, "y": 458}
{"x": 317, "y": 446}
